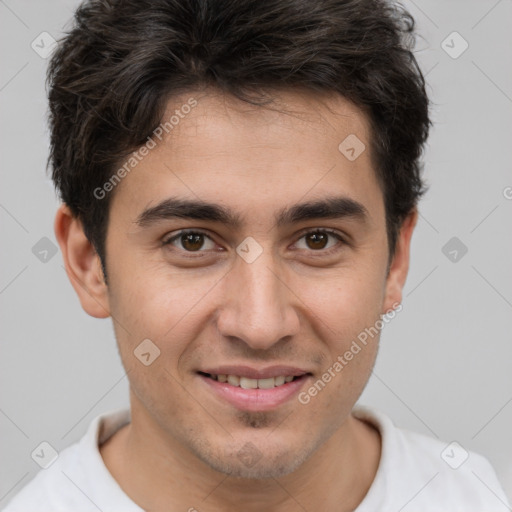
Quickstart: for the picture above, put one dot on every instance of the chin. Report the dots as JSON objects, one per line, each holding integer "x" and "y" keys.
{"x": 264, "y": 468}
{"x": 255, "y": 460}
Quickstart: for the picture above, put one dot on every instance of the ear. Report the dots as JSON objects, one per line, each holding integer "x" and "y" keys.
{"x": 83, "y": 265}
{"x": 400, "y": 264}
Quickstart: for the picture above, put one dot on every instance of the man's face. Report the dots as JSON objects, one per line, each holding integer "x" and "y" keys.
{"x": 285, "y": 303}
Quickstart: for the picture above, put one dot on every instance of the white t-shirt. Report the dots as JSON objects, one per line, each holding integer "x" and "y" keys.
{"x": 415, "y": 474}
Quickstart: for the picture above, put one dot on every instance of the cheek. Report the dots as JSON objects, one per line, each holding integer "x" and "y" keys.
{"x": 159, "y": 305}
{"x": 345, "y": 307}
{"x": 344, "y": 302}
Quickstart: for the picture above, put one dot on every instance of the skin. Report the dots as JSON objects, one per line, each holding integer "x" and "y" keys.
{"x": 294, "y": 305}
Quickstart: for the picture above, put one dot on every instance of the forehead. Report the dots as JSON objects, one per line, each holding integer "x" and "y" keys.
{"x": 254, "y": 158}
{"x": 292, "y": 117}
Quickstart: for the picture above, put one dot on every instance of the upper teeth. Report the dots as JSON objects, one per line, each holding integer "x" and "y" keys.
{"x": 246, "y": 383}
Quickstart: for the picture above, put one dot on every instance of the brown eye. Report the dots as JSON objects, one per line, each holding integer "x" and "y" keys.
{"x": 191, "y": 241}
{"x": 320, "y": 240}
{"x": 317, "y": 240}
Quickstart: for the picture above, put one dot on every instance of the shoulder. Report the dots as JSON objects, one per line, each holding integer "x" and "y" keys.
{"x": 78, "y": 480}
{"x": 44, "y": 492}
{"x": 417, "y": 472}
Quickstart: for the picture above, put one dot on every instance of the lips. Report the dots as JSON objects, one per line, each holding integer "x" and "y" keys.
{"x": 256, "y": 389}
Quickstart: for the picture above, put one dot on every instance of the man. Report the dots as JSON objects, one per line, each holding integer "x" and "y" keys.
{"x": 239, "y": 184}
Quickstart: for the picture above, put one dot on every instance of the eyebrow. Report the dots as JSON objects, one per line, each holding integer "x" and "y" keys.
{"x": 178, "y": 208}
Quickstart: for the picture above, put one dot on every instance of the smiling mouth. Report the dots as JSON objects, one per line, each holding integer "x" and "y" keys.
{"x": 247, "y": 383}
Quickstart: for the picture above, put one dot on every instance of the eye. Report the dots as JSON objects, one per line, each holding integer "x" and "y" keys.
{"x": 318, "y": 240}
{"x": 191, "y": 241}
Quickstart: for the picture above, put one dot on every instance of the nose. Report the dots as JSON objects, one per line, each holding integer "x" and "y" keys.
{"x": 258, "y": 305}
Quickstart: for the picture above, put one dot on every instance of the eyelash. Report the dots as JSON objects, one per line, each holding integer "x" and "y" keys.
{"x": 333, "y": 233}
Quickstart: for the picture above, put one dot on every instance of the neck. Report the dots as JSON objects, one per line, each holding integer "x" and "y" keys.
{"x": 159, "y": 473}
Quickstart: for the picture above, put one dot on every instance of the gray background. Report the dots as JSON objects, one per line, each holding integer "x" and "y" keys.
{"x": 444, "y": 363}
